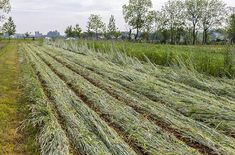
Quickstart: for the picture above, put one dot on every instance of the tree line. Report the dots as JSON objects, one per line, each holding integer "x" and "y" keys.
{"x": 178, "y": 21}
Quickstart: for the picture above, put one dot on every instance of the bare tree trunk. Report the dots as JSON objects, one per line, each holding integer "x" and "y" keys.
{"x": 205, "y": 36}
{"x": 137, "y": 33}
{"x": 194, "y": 34}
{"x": 172, "y": 36}
{"x": 130, "y": 35}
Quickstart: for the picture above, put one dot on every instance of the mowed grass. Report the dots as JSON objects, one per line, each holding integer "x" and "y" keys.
{"x": 215, "y": 60}
{"x": 12, "y": 112}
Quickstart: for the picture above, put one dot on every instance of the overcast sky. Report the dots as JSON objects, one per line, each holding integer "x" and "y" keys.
{"x": 45, "y": 15}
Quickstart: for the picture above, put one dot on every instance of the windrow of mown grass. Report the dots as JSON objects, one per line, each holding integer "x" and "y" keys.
{"x": 87, "y": 131}
{"x": 51, "y": 137}
{"x": 215, "y": 111}
{"x": 148, "y": 137}
{"x": 165, "y": 117}
{"x": 215, "y": 60}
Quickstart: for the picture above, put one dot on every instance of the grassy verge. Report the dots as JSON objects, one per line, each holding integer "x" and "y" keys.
{"x": 12, "y": 111}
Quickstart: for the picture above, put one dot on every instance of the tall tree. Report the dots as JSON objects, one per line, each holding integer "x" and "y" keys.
{"x": 9, "y": 27}
{"x": 213, "y": 16}
{"x": 77, "y": 31}
{"x": 149, "y": 25}
{"x": 135, "y": 13}
{"x": 194, "y": 11}
{"x": 95, "y": 24}
{"x": 69, "y": 31}
{"x": 73, "y": 31}
{"x": 174, "y": 18}
{"x": 112, "y": 28}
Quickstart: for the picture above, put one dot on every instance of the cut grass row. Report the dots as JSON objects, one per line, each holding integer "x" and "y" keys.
{"x": 217, "y": 112}
{"x": 145, "y": 134}
{"x": 88, "y": 132}
{"x": 157, "y": 111}
{"x": 52, "y": 138}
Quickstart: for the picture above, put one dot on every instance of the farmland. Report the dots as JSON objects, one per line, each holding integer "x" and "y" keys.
{"x": 89, "y": 102}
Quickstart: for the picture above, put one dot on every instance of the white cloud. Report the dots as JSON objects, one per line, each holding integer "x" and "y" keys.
{"x": 41, "y": 15}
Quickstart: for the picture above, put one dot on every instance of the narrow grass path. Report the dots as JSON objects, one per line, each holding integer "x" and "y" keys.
{"x": 11, "y": 111}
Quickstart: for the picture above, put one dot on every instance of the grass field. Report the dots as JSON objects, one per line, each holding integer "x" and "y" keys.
{"x": 12, "y": 111}
{"x": 89, "y": 102}
{"x": 215, "y": 60}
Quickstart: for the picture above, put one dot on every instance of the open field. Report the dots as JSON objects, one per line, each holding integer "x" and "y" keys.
{"x": 86, "y": 102}
{"x": 215, "y": 60}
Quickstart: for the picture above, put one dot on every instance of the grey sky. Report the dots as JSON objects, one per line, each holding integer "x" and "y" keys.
{"x": 45, "y": 15}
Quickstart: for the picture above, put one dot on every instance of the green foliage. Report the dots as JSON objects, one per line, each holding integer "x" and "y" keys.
{"x": 73, "y": 31}
{"x": 95, "y": 24}
{"x": 208, "y": 59}
{"x": 136, "y": 12}
{"x": 13, "y": 110}
{"x": 9, "y": 27}
{"x": 112, "y": 28}
{"x": 213, "y": 16}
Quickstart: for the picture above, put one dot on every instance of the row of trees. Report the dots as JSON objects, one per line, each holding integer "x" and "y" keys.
{"x": 179, "y": 18}
{"x": 177, "y": 21}
{"x": 95, "y": 26}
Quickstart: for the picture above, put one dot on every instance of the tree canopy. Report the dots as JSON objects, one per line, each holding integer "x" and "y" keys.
{"x": 95, "y": 24}
{"x": 73, "y": 31}
{"x": 136, "y": 13}
{"x": 9, "y": 27}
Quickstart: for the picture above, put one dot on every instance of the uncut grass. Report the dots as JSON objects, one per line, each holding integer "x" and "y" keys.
{"x": 219, "y": 86}
{"x": 210, "y": 60}
{"x": 139, "y": 130}
{"x": 89, "y": 133}
{"x": 210, "y": 110}
{"x": 51, "y": 138}
{"x": 188, "y": 127}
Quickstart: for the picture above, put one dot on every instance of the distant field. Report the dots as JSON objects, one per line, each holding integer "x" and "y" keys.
{"x": 86, "y": 102}
{"x": 215, "y": 60}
